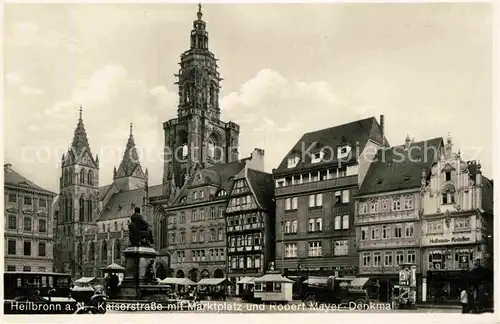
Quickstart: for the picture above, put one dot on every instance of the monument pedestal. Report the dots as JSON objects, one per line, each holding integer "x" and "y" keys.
{"x": 134, "y": 285}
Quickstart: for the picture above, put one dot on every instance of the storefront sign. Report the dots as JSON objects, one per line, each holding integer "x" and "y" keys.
{"x": 445, "y": 239}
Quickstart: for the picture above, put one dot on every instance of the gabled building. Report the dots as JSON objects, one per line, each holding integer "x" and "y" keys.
{"x": 315, "y": 184}
{"x": 28, "y": 229}
{"x": 193, "y": 233}
{"x": 457, "y": 223}
{"x": 250, "y": 219}
{"x": 388, "y": 208}
{"x": 92, "y": 220}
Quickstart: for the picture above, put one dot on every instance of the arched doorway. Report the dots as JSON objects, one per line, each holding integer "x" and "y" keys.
{"x": 193, "y": 275}
{"x": 179, "y": 274}
{"x": 218, "y": 273}
{"x": 161, "y": 271}
{"x": 204, "y": 274}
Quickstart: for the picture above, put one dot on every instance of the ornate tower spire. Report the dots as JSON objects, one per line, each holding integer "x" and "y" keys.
{"x": 199, "y": 35}
{"x": 130, "y": 158}
{"x": 80, "y": 140}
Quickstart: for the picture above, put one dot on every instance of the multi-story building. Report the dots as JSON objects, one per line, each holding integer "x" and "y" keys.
{"x": 250, "y": 219}
{"x": 193, "y": 233}
{"x": 315, "y": 184}
{"x": 388, "y": 209}
{"x": 28, "y": 231}
{"x": 92, "y": 221}
{"x": 457, "y": 223}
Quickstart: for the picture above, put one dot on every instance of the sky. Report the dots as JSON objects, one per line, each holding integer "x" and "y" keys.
{"x": 288, "y": 69}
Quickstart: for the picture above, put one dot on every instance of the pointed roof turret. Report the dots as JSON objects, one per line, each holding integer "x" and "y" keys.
{"x": 130, "y": 158}
{"x": 80, "y": 141}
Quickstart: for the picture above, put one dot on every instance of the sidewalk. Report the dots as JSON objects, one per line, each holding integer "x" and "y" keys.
{"x": 451, "y": 306}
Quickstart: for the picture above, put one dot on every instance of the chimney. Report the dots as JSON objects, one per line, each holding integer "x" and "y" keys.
{"x": 256, "y": 161}
{"x": 7, "y": 167}
{"x": 382, "y": 130}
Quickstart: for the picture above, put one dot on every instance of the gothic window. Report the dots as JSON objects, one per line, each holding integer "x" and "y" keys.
{"x": 90, "y": 178}
{"x": 104, "y": 251}
{"x": 118, "y": 252}
{"x": 82, "y": 176}
{"x": 81, "y": 216}
{"x": 214, "y": 149}
{"x": 66, "y": 177}
{"x": 91, "y": 251}
{"x": 79, "y": 252}
{"x": 89, "y": 210}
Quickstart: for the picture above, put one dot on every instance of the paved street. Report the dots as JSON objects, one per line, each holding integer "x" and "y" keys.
{"x": 239, "y": 307}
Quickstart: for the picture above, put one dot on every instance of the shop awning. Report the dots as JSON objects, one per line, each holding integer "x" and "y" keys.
{"x": 316, "y": 281}
{"x": 176, "y": 281}
{"x": 86, "y": 280}
{"x": 114, "y": 267}
{"x": 246, "y": 280}
{"x": 212, "y": 281}
{"x": 274, "y": 277}
{"x": 359, "y": 283}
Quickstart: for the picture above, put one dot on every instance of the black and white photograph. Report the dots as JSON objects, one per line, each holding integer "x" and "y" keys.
{"x": 236, "y": 158}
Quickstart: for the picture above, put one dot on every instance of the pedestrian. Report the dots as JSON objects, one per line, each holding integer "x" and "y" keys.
{"x": 464, "y": 299}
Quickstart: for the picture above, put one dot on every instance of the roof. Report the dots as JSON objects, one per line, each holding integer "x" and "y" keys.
{"x": 155, "y": 191}
{"x": 14, "y": 179}
{"x": 273, "y": 277}
{"x": 85, "y": 280}
{"x": 121, "y": 204}
{"x": 212, "y": 281}
{"x": 398, "y": 169}
{"x": 104, "y": 190}
{"x": 356, "y": 134}
{"x": 176, "y": 281}
{"x": 246, "y": 280}
{"x": 114, "y": 266}
{"x": 263, "y": 187}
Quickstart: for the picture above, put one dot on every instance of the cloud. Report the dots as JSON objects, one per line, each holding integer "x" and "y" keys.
{"x": 26, "y": 34}
{"x": 15, "y": 80}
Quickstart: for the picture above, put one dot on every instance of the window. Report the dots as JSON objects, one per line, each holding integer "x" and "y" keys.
{"x": 398, "y": 229}
{"x": 27, "y": 201}
{"x": 221, "y": 234}
{"x": 195, "y": 215}
{"x": 447, "y": 176}
{"x": 202, "y": 214}
{"x": 316, "y": 200}
{"x": 345, "y": 196}
{"x": 26, "y": 268}
{"x": 11, "y": 247}
{"x": 311, "y": 225}
{"x": 27, "y": 248}
{"x": 374, "y": 207}
{"x": 11, "y": 268}
{"x": 12, "y": 221}
{"x": 338, "y": 197}
{"x": 400, "y": 258}
{"x": 293, "y": 227}
{"x": 212, "y": 212}
{"x": 410, "y": 257}
{"x": 385, "y": 232}
{"x": 41, "y": 249}
{"x": 396, "y": 205}
{"x": 82, "y": 176}
{"x": 42, "y": 226}
{"x": 462, "y": 224}
{"x": 319, "y": 224}
{"x": 340, "y": 247}
{"x": 363, "y": 208}
{"x": 385, "y": 205}
{"x": 27, "y": 224}
{"x": 409, "y": 229}
{"x": 364, "y": 233}
{"x": 338, "y": 223}
{"x": 388, "y": 259}
{"x": 366, "y": 259}
{"x": 448, "y": 198}
{"x": 315, "y": 249}
{"x": 287, "y": 227}
{"x": 241, "y": 261}
{"x": 212, "y": 235}
{"x": 377, "y": 259}
{"x": 202, "y": 236}
{"x": 293, "y": 161}
{"x": 288, "y": 203}
{"x": 42, "y": 203}
{"x": 257, "y": 261}
{"x": 195, "y": 195}
{"x": 345, "y": 222}
{"x": 435, "y": 227}
{"x": 294, "y": 203}
{"x": 408, "y": 203}
{"x": 233, "y": 262}
{"x": 221, "y": 211}
{"x": 183, "y": 237}
{"x": 12, "y": 198}
{"x": 202, "y": 194}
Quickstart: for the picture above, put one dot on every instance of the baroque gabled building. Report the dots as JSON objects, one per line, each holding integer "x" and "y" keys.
{"x": 388, "y": 209}
{"x": 315, "y": 184}
{"x": 197, "y": 136}
{"x": 28, "y": 219}
{"x": 92, "y": 220}
{"x": 250, "y": 224}
{"x": 457, "y": 223}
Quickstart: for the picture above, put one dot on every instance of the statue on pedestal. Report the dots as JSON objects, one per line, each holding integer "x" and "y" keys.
{"x": 140, "y": 233}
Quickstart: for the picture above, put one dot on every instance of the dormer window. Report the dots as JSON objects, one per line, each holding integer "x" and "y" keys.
{"x": 343, "y": 151}
{"x": 222, "y": 193}
{"x": 293, "y": 161}
{"x": 317, "y": 157}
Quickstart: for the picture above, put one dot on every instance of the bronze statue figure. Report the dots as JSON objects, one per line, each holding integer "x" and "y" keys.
{"x": 140, "y": 233}
{"x": 150, "y": 276}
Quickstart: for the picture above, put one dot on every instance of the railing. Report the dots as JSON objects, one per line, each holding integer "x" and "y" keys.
{"x": 317, "y": 185}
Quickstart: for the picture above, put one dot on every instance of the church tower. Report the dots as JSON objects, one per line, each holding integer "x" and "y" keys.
{"x": 197, "y": 136}
{"x": 129, "y": 175}
{"x": 78, "y": 198}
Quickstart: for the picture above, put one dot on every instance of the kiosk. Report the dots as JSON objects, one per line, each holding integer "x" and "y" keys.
{"x": 273, "y": 287}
